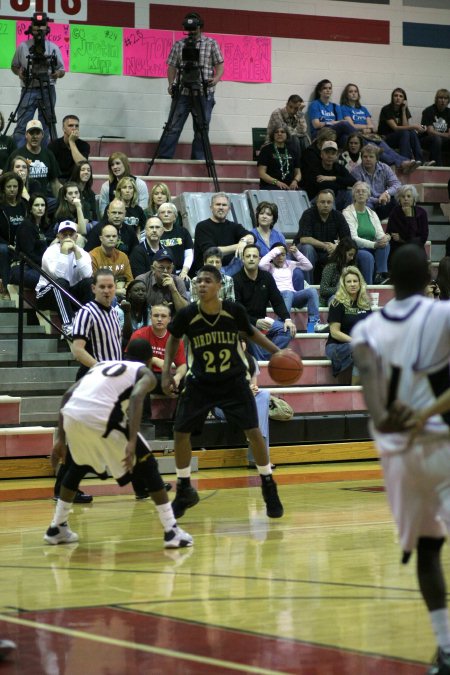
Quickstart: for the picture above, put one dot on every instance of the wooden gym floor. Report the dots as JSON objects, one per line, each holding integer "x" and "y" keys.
{"x": 318, "y": 592}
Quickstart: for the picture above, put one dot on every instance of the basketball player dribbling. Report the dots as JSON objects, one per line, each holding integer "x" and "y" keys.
{"x": 403, "y": 354}
{"x": 217, "y": 376}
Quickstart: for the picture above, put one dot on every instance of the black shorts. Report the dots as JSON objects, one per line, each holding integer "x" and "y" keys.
{"x": 235, "y": 399}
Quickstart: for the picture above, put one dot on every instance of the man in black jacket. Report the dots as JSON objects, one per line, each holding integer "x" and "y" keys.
{"x": 256, "y": 289}
{"x": 141, "y": 258}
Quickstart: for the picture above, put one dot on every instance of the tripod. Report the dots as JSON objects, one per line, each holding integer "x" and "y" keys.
{"x": 44, "y": 103}
{"x": 196, "y": 98}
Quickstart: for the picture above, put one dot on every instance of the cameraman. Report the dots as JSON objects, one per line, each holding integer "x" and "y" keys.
{"x": 46, "y": 58}
{"x": 210, "y": 70}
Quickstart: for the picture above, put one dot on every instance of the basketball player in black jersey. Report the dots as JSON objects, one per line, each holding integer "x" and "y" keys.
{"x": 217, "y": 376}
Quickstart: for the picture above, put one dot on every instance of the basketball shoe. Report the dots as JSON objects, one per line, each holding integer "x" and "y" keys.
{"x": 60, "y": 534}
{"x": 177, "y": 538}
{"x": 441, "y": 665}
{"x": 185, "y": 498}
{"x": 274, "y": 507}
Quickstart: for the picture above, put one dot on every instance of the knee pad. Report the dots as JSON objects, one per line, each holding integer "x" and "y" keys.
{"x": 429, "y": 545}
{"x": 146, "y": 468}
{"x": 74, "y": 475}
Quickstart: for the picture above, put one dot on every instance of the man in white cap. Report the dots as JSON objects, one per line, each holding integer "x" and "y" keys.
{"x": 43, "y": 165}
{"x": 70, "y": 266}
{"x": 329, "y": 175}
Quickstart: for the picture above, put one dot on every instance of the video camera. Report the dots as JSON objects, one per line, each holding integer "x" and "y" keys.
{"x": 191, "y": 73}
{"x": 38, "y": 61}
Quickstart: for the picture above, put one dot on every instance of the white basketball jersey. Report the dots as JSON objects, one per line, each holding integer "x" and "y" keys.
{"x": 101, "y": 399}
{"x": 411, "y": 339}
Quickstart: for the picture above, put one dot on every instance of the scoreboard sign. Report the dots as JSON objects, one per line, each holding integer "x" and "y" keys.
{"x": 61, "y": 11}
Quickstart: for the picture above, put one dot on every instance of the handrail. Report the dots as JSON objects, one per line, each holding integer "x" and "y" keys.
{"x": 25, "y": 259}
{"x": 100, "y": 138}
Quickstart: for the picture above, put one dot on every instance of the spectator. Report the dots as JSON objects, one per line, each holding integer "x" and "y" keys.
{"x": 310, "y": 160}
{"x": 7, "y": 146}
{"x": 350, "y": 158}
{"x": 320, "y": 228}
{"x": 282, "y": 271}
{"x": 366, "y": 230}
{"x": 350, "y": 305}
{"x": 159, "y": 194}
{"x": 141, "y": 258}
{"x": 186, "y": 99}
{"x": 443, "y": 278}
{"x": 43, "y": 165}
{"x": 361, "y": 120}
{"x": 408, "y": 223}
{"x": 395, "y": 128}
{"x": 293, "y": 118}
{"x": 21, "y": 167}
{"x": 106, "y": 256}
{"x": 119, "y": 167}
{"x": 69, "y": 149}
{"x": 344, "y": 255}
{"x": 323, "y": 113}
{"x": 12, "y": 214}
{"x": 70, "y": 207}
{"x": 176, "y": 239}
{"x": 71, "y": 267}
{"x": 329, "y": 174}
{"x": 436, "y": 120}
{"x": 157, "y": 335}
{"x": 278, "y": 165}
{"x": 256, "y": 289}
{"x": 213, "y": 256}
{"x": 230, "y": 237}
{"x": 134, "y": 311}
{"x": 380, "y": 178}
{"x": 116, "y": 216}
{"x": 265, "y": 233}
{"x": 36, "y": 97}
{"x": 82, "y": 176}
{"x": 127, "y": 192}
{"x": 162, "y": 285}
{"x": 33, "y": 236}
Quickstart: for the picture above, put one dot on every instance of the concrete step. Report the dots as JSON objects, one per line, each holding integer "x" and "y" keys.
{"x": 26, "y": 441}
{"x": 104, "y": 147}
{"x": 177, "y": 185}
{"x": 309, "y": 345}
{"x": 37, "y": 345}
{"x": 31, "y": 379}
{"x": 432, "y": 192}
{"x": 178, "y": 167}
{"x": 11, "y": 329}
{"x": 317, "y": 372}
{"x": 44, "y": 360}
{"x": 10, "y": 407}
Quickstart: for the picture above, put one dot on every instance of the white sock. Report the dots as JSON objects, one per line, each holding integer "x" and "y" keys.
{"x": 440, "y": 623}
{"x": 264, "y": 470}
{"x": 184, "y": 473}
{"x": 62, "y": 510}
{"x": 166, "y": 516}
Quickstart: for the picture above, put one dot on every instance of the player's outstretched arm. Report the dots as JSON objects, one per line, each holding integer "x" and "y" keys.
{"x": 167, "y": 383}
{"x": 145, "y": 384}
{"x": 264, "y": 342}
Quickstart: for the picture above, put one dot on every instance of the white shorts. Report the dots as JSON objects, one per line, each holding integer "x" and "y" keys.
{"x": 87, "y": 446}
{"x": 418, "y": 488}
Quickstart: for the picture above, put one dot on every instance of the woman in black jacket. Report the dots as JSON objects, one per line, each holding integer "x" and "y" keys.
{"x": 33, "y": 236}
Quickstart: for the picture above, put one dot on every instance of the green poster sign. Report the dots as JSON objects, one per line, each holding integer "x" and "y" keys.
{"x": 7, "y": 42}
{"x": 96, "y": 49}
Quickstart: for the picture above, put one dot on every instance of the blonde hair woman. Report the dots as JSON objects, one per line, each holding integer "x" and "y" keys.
{"x": 350, "y": 305}
{"x": 118, "y": 167}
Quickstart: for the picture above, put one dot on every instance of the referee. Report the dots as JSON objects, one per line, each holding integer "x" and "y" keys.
{"x": 96, "y": 337}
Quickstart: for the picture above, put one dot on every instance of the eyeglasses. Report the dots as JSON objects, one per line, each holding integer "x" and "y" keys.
{"x": 167, "y": 269}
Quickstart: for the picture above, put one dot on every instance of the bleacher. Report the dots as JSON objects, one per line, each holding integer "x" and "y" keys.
{"x": 330, "y": 421}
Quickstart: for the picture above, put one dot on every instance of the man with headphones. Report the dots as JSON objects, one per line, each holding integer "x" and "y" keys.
{"x": 35, "y": 96}
{"x": 189, "y": 78}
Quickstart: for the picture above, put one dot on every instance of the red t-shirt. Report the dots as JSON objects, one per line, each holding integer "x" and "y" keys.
{"x": 159, "y": 345}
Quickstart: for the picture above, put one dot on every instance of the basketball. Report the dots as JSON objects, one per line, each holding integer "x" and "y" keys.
{"x": 285, "y": 367}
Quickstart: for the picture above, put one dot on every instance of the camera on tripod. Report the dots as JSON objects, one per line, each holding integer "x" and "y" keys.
{"x": 39, "y": 62}
{"x": 191, "y": 75}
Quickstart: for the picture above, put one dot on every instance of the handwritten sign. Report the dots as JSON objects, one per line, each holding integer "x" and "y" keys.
{"x": 145, "y": 52}
{"x": 7, "y": 41}
{"x": 96, "y": 50}
{"x": 59, "y": 34}
{"x": 247, "y": 58}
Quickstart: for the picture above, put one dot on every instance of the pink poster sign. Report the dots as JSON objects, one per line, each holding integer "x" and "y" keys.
{"x": 145, "y": 52}
{"x": 59, "y": 34}
{"x": 247, "y": 58}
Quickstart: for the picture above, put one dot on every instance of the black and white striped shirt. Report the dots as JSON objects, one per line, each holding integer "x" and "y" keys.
{"x": 100, "y": 327}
